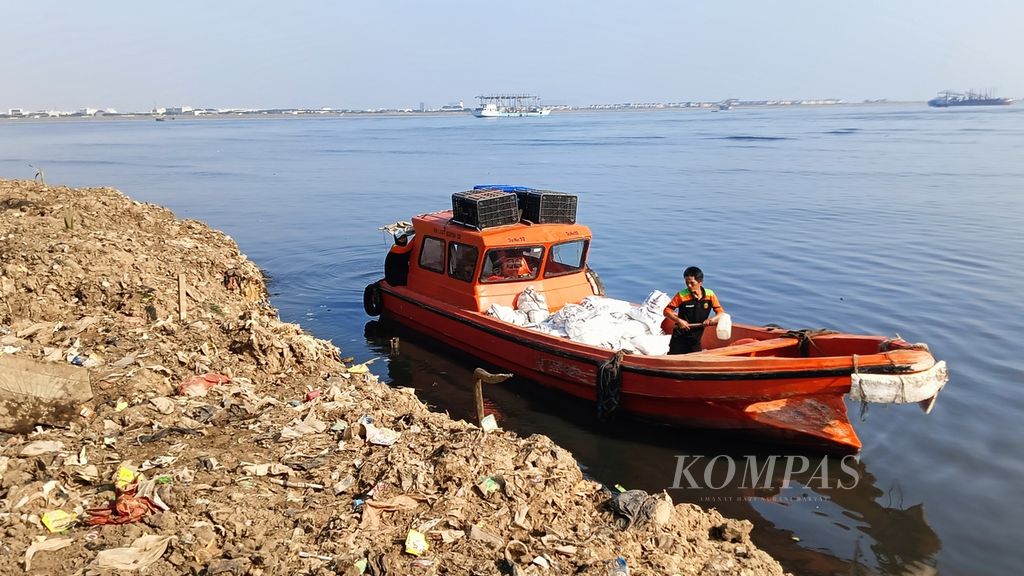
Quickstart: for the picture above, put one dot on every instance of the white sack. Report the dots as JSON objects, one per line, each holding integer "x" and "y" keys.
{"x": 651, "y": 344}
{"x": 507, "y": 314}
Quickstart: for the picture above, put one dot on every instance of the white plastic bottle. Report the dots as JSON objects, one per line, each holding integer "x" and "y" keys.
{"x": 724, "y": 327}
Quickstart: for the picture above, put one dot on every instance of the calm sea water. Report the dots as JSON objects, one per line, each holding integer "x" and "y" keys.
{"x": 880, "y": 219}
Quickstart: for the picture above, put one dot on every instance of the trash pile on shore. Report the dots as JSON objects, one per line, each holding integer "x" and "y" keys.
{"x": 156, "y": 414}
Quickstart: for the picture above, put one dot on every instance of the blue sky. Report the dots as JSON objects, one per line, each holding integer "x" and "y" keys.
{"x": 358, "y": 54}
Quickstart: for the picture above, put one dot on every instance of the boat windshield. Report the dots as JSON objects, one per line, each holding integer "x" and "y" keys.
{"x": 511, "y": 264}
{"x": 566, "y": 258}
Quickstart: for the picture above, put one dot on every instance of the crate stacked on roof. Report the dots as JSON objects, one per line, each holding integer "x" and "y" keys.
{"x": 547, "y": 207}
{"x": 485, "y": 208}
{"x": 540, "y": 206}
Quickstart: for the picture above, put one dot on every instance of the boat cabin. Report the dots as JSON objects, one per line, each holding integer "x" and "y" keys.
{"x": 473, "y": 269}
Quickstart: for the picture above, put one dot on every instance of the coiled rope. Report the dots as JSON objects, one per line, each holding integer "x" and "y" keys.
{"x": 805, "y": 338}
{"x": 609, "y": 386}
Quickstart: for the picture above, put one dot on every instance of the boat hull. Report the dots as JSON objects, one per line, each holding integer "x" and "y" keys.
{"x": 796, "y": 398}
{"x": 491, "y": 113}
{"x": 989, "y": 102}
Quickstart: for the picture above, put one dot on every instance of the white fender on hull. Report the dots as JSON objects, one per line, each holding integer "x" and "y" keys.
{"x": 900, "y": 388}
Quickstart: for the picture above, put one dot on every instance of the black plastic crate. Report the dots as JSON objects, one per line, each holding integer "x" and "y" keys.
{"x": 547, "y": 207}
{"x": 485, "y": 208}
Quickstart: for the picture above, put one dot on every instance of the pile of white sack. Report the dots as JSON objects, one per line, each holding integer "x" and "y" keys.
{"x": 598, "y": 321}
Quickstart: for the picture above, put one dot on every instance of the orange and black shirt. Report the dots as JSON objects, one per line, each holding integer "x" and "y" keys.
{"x": 694, "y": 310}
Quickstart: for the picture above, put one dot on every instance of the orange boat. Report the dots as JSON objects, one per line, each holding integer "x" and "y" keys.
{"x": 792, "y": 384}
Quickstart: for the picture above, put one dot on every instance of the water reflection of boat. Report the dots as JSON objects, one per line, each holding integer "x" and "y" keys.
{"x": 856, "y": 529}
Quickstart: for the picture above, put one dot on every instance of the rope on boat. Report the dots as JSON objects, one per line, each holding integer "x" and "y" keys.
{"x": 888, "y": 343}
{"x": 805, "y": 338}
{"x": 609, "y": 386}
{"x": 898, "y": 343}
{"x": 863, "y": 397}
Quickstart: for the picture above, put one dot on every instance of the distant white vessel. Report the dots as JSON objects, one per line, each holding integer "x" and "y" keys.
{"x": 948, "y": 98}
{"x": 507, "y": 105}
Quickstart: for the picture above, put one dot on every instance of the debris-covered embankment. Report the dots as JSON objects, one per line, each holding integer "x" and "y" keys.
{"x": 156, "y": 414}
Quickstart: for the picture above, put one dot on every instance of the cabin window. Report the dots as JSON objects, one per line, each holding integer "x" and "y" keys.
{"x": 432, "y": 254}
{"x": 462, "y": 261}
{"x": 566, "y": 258}
{"x": 512, "y": 264}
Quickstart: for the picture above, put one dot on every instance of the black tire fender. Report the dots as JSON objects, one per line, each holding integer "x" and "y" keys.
{"x": 595, "y": 281}
{"x": 372, "y": 300}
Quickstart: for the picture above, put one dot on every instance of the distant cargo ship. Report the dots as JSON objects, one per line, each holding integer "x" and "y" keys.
{"x": 949, "y": 98}
{"x": 504, "y": 105}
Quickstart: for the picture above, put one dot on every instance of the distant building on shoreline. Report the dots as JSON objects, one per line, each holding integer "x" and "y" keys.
{"x": 450, "y": 108}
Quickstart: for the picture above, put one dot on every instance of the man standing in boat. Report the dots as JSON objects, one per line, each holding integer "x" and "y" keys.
{"x": 690, "y": 311}
{"x": 396, "y": 263}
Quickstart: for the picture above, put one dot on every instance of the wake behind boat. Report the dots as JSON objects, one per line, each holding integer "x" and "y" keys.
{"x": 504, "y": 277}
{"x": 509, "y": 105}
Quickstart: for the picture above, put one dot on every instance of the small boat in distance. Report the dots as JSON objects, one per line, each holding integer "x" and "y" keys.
{"x": 503, "y": 276}
{"x": 948, "y": 98}
{"x": 727, "y": 104}
{"x": 509, "y": 105}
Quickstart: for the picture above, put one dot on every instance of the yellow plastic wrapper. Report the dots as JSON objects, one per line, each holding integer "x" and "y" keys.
{"x": 416, "y": 543}
{"x": 358, "y": 369}
{"x": 124, "y": 477}
{"x": 58, "y": 520}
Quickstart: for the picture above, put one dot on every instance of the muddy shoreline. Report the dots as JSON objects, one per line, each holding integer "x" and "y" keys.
{"x": 220, "y": 440}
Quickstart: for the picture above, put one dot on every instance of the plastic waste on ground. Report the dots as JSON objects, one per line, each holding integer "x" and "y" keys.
{"x": 490, "y": 485}
{"x": 361, "y": 368}
{"x": 199, "y": 385}
{"x": 416, "y": 543}
{"x": 40, "y": 447}
{"x": 618, "y": 567}
{"x": 489, "y": 424}
{"x": 374, "y": 509}
{"x": 58, "y": 520}
{"x": 144, "y": 551}
{"x": 132, "y": 502}
{"x": 378, "y": 435}
{"x": 41, "y": 544}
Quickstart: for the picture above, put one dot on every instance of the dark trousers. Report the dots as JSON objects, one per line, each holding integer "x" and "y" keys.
{"x": 685, "y": 342}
